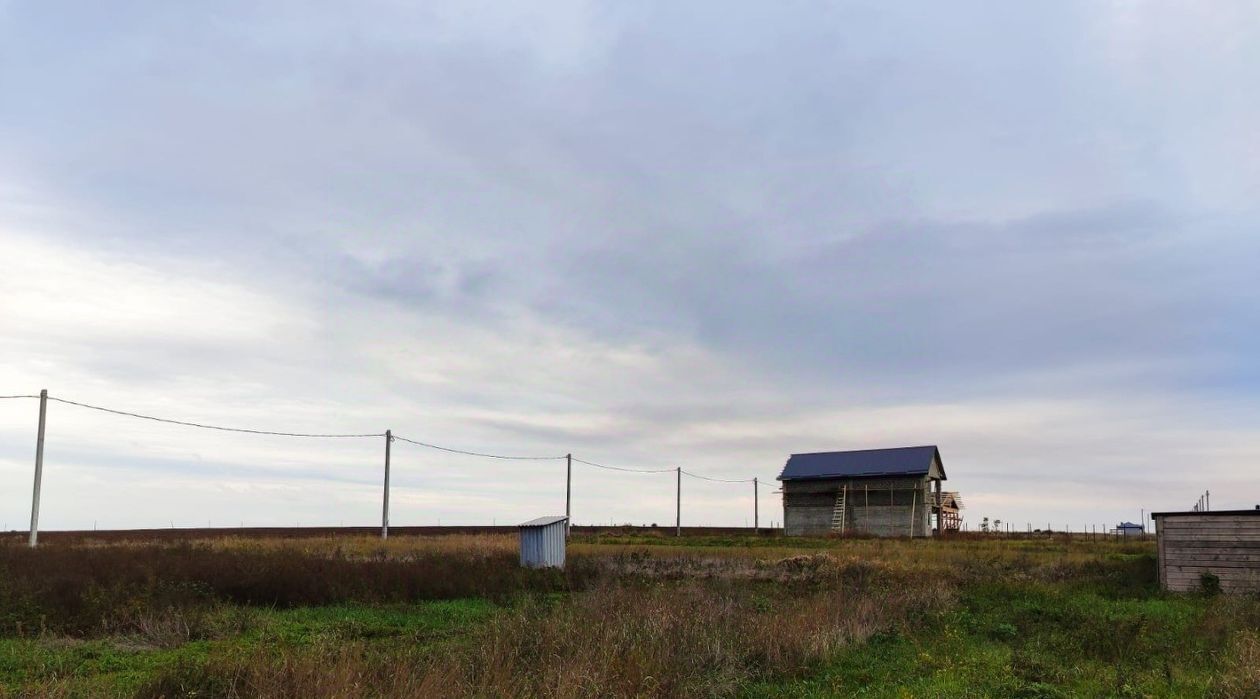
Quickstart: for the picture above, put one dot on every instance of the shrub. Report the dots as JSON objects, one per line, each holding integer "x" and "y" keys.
{"x": 93, "y": 590}
{"x": 1209, "y": 584}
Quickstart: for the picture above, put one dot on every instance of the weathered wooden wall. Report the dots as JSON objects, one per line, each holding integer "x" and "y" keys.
{"x": 882, "y": 507}
{"x": 1226, "y": 545}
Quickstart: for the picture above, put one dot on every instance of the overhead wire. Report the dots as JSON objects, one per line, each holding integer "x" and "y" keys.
{"x": 416, "y": 442}
{"x": 212, "y": 427}
{"x": 622, "y": 468}
{"x": 477, "y": 453}
{"x": 717, "y": 480}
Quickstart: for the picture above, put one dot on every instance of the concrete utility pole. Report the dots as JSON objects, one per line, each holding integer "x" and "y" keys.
{"x": 914, "y": 501}
{"x": 940, "y": 510}
{"x": 568, "y": 492}
{"x": 756, "y": 528}
{"x": 678, "y": 504}
{"x": 389, "y": 438}
{"x": 39, "y": 467}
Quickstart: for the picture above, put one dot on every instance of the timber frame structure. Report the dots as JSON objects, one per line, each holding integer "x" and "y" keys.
{"x": 879, "y": 492}
{"x": 949, "y": 513}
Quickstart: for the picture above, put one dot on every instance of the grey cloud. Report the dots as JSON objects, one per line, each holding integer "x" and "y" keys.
{"x": 961, "y": 300}
{"x": 475, "y": 207}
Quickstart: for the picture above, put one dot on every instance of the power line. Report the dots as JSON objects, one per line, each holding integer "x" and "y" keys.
{"x": 620, "y": 468}
{"x": 210, "y": 427}
{"x": 387, "y": 434}
{"x": 477, "y": 453}
{"x": 418, "y": 443}
{"x": 717, "y": 480}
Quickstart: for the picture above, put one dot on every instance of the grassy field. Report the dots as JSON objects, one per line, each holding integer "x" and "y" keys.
{"x": 634, "y": 615}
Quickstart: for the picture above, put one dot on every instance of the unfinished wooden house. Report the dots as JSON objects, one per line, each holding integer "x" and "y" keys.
{"x": 950, "y": 512}
{"x": 882, "y": 492}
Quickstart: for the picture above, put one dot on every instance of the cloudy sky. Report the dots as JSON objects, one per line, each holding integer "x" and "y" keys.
{"x": 650, "y": 234}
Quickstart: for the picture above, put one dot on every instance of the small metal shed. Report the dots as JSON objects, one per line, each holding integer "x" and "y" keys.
{"x": 542, "y": 542}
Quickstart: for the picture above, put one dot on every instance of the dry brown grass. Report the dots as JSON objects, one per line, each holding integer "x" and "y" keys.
{"x": 1240, "y": 678}
{"x": 370, "y": 547}
{"x": 686, "y": 640}
{"x": 341, "y": 545}
{"x": 694, "y": 639}
{"x": 652, "y": 619}
{"x": 161, "y": 591}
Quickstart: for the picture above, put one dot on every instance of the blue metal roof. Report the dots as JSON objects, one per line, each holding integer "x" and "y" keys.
{"x": 865, "y": 463}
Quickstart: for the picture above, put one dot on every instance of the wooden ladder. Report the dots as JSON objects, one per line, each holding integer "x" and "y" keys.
{"x": 837, "y": 513}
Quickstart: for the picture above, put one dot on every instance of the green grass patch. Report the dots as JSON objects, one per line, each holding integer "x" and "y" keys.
{"x": 119, "y": 665}
{"x": 412, "y": 623}
{"x": 1034, "y": 640}
{"x": 636, "y": 614}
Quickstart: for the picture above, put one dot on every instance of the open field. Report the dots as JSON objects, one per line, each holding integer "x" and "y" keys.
{"x": 635, "y": 614}
{"x": 187, "y": 534}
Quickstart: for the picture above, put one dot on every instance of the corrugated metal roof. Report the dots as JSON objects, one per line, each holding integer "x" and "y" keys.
{"x": 542, "y": 521}
{"x": 543, "y": 542}
{"x": 899, "y": 461}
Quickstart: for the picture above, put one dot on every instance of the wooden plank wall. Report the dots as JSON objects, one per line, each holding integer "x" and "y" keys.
{"x": 1191, "y": 544}
{"x": 880, "y": 507}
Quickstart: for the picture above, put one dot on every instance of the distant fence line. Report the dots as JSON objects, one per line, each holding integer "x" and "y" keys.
{"x": 1087, "y": 531}
{"x": 389, "y": 438}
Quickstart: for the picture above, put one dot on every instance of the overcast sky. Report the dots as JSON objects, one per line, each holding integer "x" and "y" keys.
{"x": 651, "y": 234}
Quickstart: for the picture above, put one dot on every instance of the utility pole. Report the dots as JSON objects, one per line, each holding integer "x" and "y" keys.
{"x": 39, "y": 467}
{"x": 756, "y": 528}
{"x": 568, "y": 492}
{"x": 389, "y": 437}
{"x": 678, "y": 503}
{"x": 940, "y": 510}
